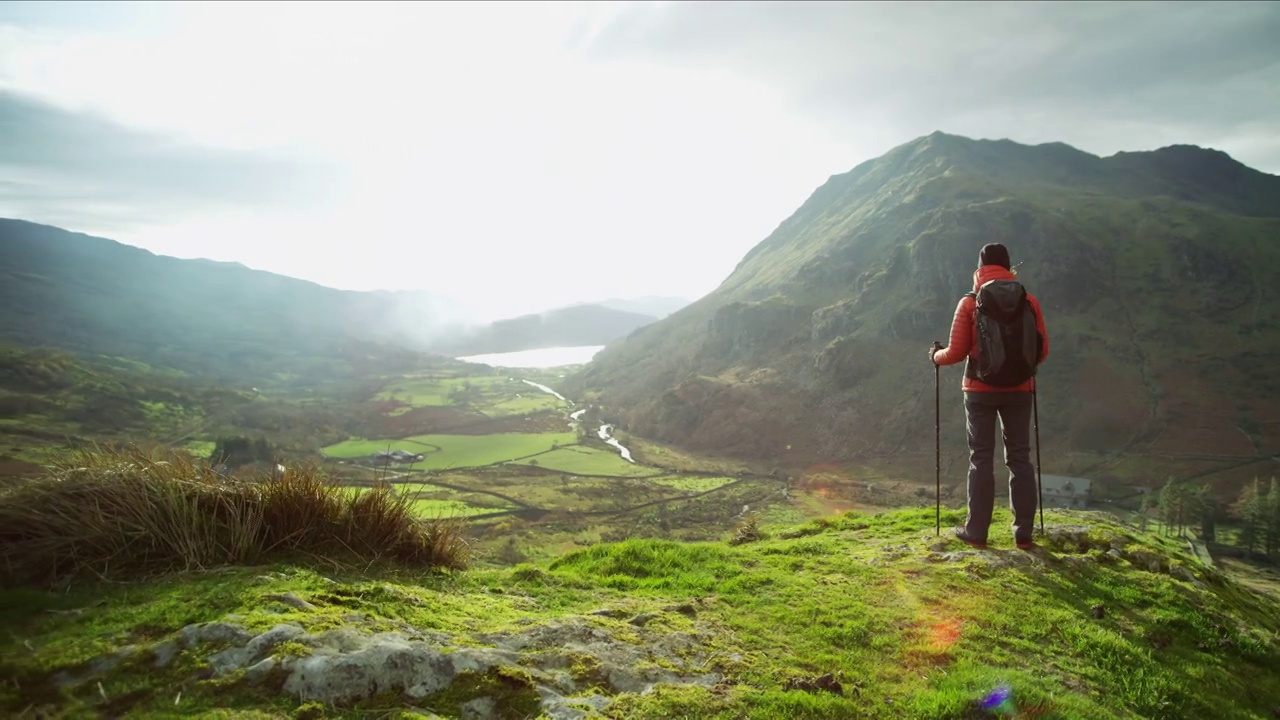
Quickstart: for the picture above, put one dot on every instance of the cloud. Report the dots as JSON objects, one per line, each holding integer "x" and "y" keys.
{"x": 1103, "y": 76}
{"x": 85, "y": 171}
{"x": 520, "y": 156}
{"x": 480, "y": 157}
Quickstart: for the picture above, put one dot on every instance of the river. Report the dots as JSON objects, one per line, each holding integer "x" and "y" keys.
{"x": 604, "y": 435}
{"x": 546, "y": 389}
{"x": 605, "y": 431}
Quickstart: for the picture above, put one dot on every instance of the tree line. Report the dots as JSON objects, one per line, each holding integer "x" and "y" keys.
{"x": 1255, "y": 514}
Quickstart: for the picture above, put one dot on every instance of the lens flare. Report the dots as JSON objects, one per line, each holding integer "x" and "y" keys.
{"x": 944, "y": 634}
{"x": 1000, "y": 701}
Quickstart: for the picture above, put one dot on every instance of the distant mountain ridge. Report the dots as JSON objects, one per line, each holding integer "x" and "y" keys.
{"x": 221, "y": 319}
{"x": 577, "y": 325}
{"x": 1158, "y": 272}
{"x": 654, "y": 305}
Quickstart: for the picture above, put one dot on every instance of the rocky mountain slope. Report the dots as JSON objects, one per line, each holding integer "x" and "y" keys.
{"x": 1157, "y": 272}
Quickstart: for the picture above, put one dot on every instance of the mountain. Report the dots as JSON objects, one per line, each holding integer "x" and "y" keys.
{"x": 590, "y": 324}
{"x": 656, "y": 305}
{"x": 1157, "y": 272}
{"x": 96, "y": 296}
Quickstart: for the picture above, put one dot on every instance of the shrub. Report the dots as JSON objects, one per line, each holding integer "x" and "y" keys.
{"x": 133, "y": 511}
{"x": 748, "y": 530}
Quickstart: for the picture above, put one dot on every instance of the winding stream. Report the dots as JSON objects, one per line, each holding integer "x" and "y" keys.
{"x": 604, "y": 435}
{"x": 546, "y": 389}
{"x": 576, "y": 416}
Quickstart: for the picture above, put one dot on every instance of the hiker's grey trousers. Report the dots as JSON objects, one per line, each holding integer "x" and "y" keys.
{"x": 1014, "y": 411}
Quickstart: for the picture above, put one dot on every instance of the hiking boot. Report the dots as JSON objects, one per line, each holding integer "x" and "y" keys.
{"x": 964, "y": 536}
{"x": 1025, "y": 544}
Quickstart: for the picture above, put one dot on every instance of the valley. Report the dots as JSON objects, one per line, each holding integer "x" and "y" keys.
{"x": 753, "y": 472}
{"x": 496, "y": 445}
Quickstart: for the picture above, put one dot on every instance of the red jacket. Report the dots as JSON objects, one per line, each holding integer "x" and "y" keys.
{"x": 963, "y": 330}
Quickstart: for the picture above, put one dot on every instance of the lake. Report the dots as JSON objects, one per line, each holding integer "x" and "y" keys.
{"x": 540, "y": 358}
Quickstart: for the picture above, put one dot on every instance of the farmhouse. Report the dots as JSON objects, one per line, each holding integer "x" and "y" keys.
{"x": 1064, "y": 491}
{"x": 397, "y": 456}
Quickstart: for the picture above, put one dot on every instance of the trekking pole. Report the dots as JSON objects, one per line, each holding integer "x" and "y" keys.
{"x": 1035, "y": 414}
{"x": 937, "y": 448}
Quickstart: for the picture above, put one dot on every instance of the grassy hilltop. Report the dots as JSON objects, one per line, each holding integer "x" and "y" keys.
{"x": 856, "y": 615}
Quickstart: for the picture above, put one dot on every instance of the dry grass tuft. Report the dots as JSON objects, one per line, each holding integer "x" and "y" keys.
{"x": 133, "y": 511}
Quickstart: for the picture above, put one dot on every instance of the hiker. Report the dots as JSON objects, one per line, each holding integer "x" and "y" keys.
{"x": 1004, "y": 390}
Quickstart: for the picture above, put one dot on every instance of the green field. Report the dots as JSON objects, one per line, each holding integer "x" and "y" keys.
{"x": 431, "y": 509}
{"x": 579, "y": 460}
{"x": 494, "y": 395}
{"x": 524, "y": 405}
{"x": 693, "y": 484}
{"x": 199, "y": 448}
{"x": 418, "y": 393}
{"x": 456, "y": 450}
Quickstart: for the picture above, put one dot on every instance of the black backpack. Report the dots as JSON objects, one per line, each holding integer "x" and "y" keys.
{"x": 1008, "y": 340}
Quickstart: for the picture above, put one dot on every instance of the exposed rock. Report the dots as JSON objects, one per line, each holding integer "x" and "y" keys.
{"x": 235, "y": 658}
{"x": 96, "y": 667}
{"x": 556, "y": 660}
{"x": 644, "y": 619}
{"x": 1190, "y": 577}
{"x": 479, "y": 709}
{"x": 212, "y": 632}
{"x": 614, "y": 613}
{"x": 821, "y": 683}
{"x": 557, "y": 707}
{"x": 626, "y": 667}
{"x": 955, "y": 556}
{"x": 845, "y": 362}
{"x": 260, "y": 669}
{"x": 164, "y": 653}
{"x": 386, "y": 661}
{"x": 683, "y": 609}
{"x": 292, "y": 600}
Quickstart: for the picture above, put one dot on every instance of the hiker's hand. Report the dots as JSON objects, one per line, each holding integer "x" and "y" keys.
{"x": 934, "y": 348}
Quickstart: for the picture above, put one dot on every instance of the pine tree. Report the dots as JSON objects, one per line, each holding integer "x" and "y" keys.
{"x": 1175, "y": 505}
{"x": 1208, "y": 509}
{"x": 1269, "y": 515}
{"x": 1255, "y": 519}
{"x": 1146, "y": 509}
{"x": 1242, "y": 511}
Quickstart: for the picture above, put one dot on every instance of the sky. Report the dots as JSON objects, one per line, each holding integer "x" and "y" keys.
{"x": 514, "y": 157}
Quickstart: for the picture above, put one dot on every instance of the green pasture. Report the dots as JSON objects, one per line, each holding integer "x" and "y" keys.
{"x": 693, "y": 483}
{"x": 580, "y": 460}
{"x": 444, "y": 451}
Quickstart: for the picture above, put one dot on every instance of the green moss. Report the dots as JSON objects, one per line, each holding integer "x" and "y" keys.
{"x": 513, "y": 691}
{"x": 587, "y": 671}
{"x": 291, "y": 648}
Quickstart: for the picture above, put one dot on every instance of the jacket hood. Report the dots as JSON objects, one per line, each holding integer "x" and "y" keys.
{"x": 987, "y": 273}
